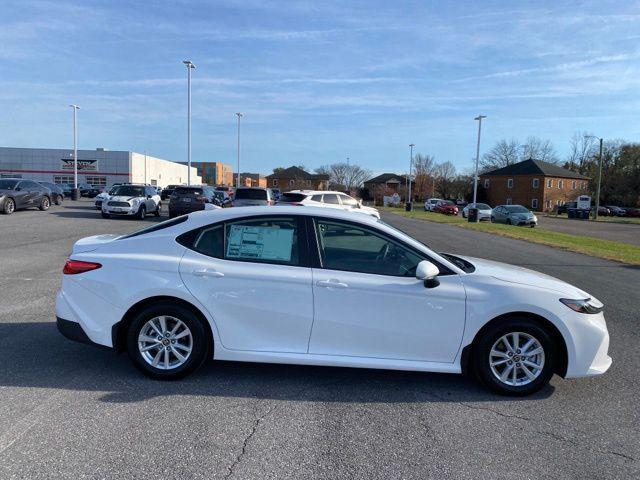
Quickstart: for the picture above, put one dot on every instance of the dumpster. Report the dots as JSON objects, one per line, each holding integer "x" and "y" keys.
{"x": 75, "y": 193}
{"x": 408, "y": 207}
{"x": 472, "y": 215}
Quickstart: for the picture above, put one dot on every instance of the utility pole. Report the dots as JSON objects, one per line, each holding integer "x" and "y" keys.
{"x": 75, "y": 194}
{"x": 595, "y": 213}
{"x": 409, "y": 204}
{"x": 475, "y": 176}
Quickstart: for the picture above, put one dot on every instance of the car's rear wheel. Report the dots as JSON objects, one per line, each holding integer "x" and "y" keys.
{"x": 141, "y": 213}
{"x": 9, "y": 206}
{"x": 508, "y": 222}
{"x": 45, "y": 203}
{"x": 58, "y": 199}
{"x": 158, "y": 210}
{"x": 167, "y": 341}
{"x": 105, "y": 215}
{"x": 515, "y": 357}
{"x": 493, "y": 219}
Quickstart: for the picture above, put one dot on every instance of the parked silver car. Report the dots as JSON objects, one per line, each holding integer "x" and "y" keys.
{"x": 484, "y": 211}
{"x": 513, "y": 215}
{"x": 253, "y": 196}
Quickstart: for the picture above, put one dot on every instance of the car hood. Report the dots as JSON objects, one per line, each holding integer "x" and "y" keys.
{"x": 524, "y": 276}
{"x": 122, "y": 198}
{"x": 369, "y": 210}
{"x": 89, "y": 244}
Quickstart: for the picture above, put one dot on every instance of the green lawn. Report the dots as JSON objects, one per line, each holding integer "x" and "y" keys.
{"x": 605, "y": 219}
{"x": 596, "y": 247}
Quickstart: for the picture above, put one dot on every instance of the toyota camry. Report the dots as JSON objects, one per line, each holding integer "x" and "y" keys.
{"x": 317, "y": 286}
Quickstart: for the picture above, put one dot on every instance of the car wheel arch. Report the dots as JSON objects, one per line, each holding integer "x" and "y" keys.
{"x": 120, "y": 329}
{"x": 559, "y": 340}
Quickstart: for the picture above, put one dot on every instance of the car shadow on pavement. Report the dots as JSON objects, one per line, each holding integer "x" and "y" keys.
{"x": 95, "y": 214}
{"x": 35, "y": 355}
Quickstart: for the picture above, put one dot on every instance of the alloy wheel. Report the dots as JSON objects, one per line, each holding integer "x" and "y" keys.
{"x": 517, "y": 359}
{"x": 10, "y": 207}
{"x": 165, "y": 342}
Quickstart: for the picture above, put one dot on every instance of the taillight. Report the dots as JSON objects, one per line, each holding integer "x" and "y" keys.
{"x": 73, "y": 267}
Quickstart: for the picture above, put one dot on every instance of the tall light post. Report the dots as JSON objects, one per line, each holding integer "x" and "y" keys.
{"x": 475, "y": 176}
{"x": 240, "y": 115}
{"x": 595, "y": 213}
{"x": 190, "y": 66}
{"x": 409, "y": 204}
{"x": 75, "y": 151}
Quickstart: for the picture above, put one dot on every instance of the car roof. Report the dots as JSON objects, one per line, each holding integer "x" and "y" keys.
{"x": 315, "y": 192}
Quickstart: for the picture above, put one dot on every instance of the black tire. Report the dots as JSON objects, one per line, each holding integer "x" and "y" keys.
{"x": 9, "y": 206}
{"x": 58, "y": 199}
{"x": 493, "y": 219}
{"x": 158, "y": 210}
{"x": 533, "y": 225}
{"x": 141, "y": 213}
{"x": 201, "y": 341}
{"x": 45, "y": 203}
{"x": 508, "y": 222}
{"x": 481, "y": 355}
{"x": 105, "y": 215}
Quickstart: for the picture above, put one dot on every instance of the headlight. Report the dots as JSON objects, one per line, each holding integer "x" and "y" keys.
{"x": 587, "y": 305}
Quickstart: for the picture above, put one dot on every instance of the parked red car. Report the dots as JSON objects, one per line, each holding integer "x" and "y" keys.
{"x": 633, "y": 212}
{"x": 447, "y": 207}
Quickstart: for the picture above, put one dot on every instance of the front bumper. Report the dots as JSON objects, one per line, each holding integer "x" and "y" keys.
{"x": 589, "y": 345}
{"x": 119, "y": 210}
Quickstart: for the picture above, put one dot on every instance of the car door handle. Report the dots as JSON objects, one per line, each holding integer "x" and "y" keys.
{"x": 331, "y": 284}
{"x": 205, "y": 272}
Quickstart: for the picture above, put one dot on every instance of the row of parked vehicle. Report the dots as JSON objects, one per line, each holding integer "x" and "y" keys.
{"x": 603, "y": 210}
{"x": 138, "y": 200}
{"x": 507, "y": 214}
{"x": 17, "y": 194}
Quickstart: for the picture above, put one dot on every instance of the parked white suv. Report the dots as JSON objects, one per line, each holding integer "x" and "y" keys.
{"x": 329, "y": 199}
{"x": 132, "y": 201}
{"x": 431, "y": 203}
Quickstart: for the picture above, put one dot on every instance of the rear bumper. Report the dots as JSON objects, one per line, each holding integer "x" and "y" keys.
{"x": 73, "y": 331}
{"x": 182, "y": 210}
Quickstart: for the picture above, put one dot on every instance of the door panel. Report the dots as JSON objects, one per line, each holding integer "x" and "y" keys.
{"x": 383, "y": 316}
{"x": 260, "y": 307}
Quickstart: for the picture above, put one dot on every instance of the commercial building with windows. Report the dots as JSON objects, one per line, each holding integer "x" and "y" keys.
{"x": 214, "y": 173}
{"x": 96, "y": 167}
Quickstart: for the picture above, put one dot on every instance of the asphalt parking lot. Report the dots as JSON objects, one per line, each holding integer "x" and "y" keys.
{"x": 619, "y": 232}
{"x": 73, "y": 411}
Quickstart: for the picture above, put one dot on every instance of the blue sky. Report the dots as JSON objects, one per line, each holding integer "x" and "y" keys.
{"x": 319, "y": 80}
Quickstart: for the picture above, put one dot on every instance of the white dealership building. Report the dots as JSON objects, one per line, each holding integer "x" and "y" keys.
{"x": 96, "y": 167}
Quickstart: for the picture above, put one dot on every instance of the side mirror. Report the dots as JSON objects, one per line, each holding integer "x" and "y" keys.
{"x": 428, "y": 273}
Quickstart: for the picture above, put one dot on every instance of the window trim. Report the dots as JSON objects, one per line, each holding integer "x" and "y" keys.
{"x": 509, "y": 182}
{"x": 535, "y": 183}
{"x": 549, "y": 182}
{"x": 188, "y": 239}
{"x": 534, "y": 201}
{"x": 312, "y": 237}
{"x": 487, "y": 183}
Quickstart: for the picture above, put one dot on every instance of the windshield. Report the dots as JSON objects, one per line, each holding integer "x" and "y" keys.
{"x": 8, "y": 184}
{"x": 251, "y": 194}
{"x": 516, "y": 209}
{"x": 129, "y": 191}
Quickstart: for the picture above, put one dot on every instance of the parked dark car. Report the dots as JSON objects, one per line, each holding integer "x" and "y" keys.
{"x": 616, "y": 211}
{"x": 57, "y": 193}
{"x": 563, "y": 209}
{"x": 167, "y": 191}
{"x": 447, "y": 207}
{"x": 223, "y": 198}
{"x": 602, "y": 211}
{"x": 84, "y": 189}
{"x": 191, "y": 199}
{"x": 633, "y": 212}
{"x": 66, "y": 189}
{"x": 94, "y": 191}
{"x": 16, "y": 194}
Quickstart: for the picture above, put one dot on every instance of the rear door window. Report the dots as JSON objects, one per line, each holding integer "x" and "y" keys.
{"x": 331, "y": 198}
{"x": 251, "y": 194}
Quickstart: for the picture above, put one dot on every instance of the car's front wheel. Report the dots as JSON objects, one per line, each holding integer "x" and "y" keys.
{"x": 9, "y": 206}
{"x": 167, "y": 341}
{"x": 158, "y": 210}
{"x": 515, "y": 357}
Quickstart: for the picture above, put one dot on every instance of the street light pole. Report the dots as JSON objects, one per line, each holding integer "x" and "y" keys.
{"x": 410, "y": 169}
{"x": 601, "y": 140}
{"x": 240, "y": 115}
{"x": 475, "y": 176}
{"x": 75, "y": 151}
{"x": 190, "y": 66}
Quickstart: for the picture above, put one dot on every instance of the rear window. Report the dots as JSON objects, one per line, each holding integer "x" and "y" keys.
{"x": 187, "y": 191}
{"x": 157, "y": 226}
{"x": 251, "y": 194}
{"x": 292, "y": 197}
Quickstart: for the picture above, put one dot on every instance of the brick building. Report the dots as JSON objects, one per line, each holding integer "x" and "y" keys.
{"x": 385, "y": 184}
{"x": 214, "y": 173}
{"x": 294, "y": 178}
{"x": 538, "y": 185}
{"x": 250, "y": 180}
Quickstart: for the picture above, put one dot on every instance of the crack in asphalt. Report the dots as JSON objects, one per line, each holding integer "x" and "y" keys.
{"x": 553, "y": 435}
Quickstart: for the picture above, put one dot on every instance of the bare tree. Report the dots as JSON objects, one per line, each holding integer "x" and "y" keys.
{"x": 423, "y": 169}
{"x": 445, "y": 176}
{"x": 503, "y": 153}
{"x": 582, "y": 148}
{"x": 538, "y": 149}
{"x": 345, "y": 175}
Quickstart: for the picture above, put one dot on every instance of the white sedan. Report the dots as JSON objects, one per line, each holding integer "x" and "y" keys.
{"x": 318, "y": 286}
{"x": 484, "y": 211}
